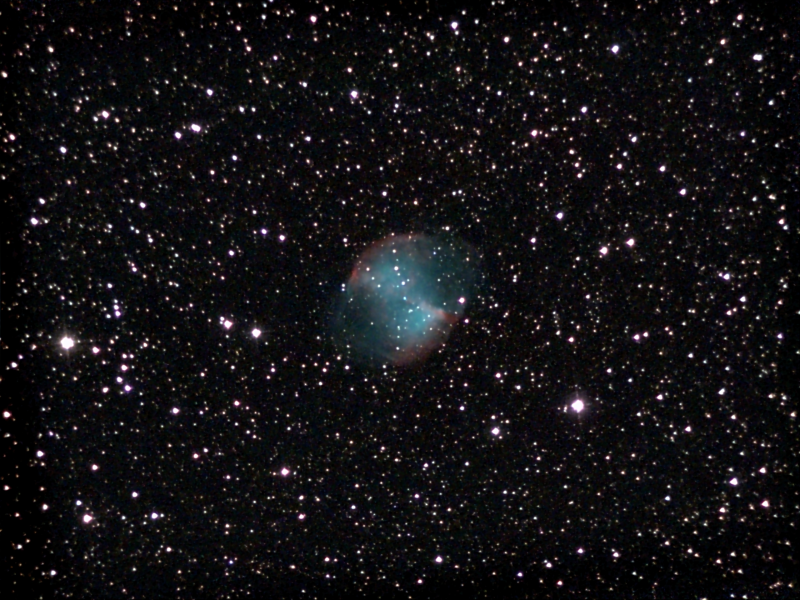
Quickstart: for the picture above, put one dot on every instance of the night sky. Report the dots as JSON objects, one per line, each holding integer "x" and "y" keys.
{"x": 189, "y": 187}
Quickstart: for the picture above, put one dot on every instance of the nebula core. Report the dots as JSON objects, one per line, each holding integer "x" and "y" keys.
{"x": 404, "y": 296}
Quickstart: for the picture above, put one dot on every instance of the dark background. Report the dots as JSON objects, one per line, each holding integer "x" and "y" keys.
{"x": 630, "y": 182}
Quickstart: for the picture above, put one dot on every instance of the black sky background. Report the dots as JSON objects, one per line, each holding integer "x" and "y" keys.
{"x": 467, "y": 472}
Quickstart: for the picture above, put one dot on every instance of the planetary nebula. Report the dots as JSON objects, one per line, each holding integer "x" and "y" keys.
{"x": 403, "y": 297}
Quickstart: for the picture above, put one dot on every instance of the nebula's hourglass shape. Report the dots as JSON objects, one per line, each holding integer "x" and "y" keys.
{"x": 404, "y": 296}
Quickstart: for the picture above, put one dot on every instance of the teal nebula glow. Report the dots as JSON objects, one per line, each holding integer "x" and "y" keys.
{"x": 404, "y": 296}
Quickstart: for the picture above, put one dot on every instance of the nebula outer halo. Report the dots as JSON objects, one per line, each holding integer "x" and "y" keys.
{"x": 404, "y": 296}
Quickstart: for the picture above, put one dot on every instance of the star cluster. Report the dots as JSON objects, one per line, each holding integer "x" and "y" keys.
{"x": 613, "y": 416}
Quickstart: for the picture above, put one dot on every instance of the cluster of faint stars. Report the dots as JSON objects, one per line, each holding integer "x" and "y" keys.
{"x": 578, "y": 410}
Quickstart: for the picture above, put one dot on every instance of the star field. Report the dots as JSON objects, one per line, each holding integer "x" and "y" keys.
{"x": 612, "y": 416}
